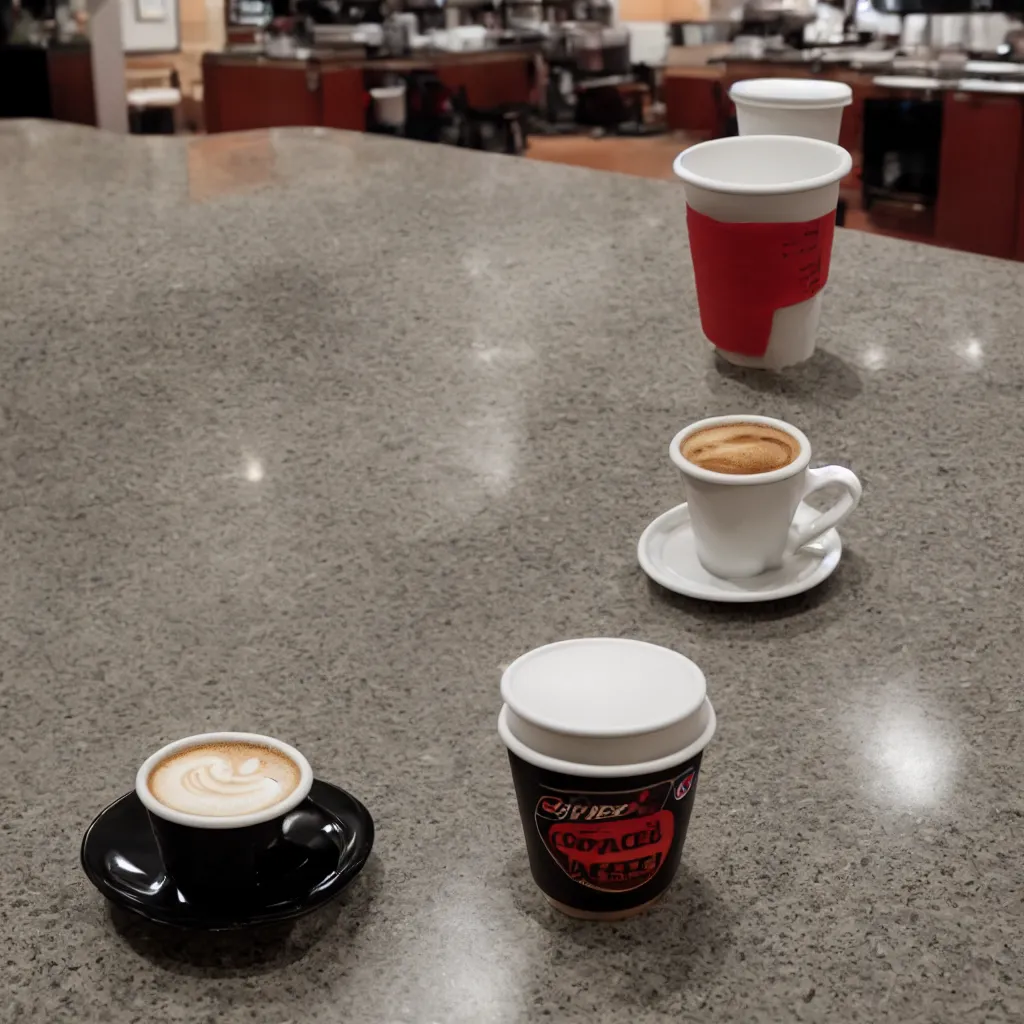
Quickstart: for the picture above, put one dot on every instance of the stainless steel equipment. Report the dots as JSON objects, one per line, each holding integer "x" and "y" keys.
{"x": 784, "y": 15}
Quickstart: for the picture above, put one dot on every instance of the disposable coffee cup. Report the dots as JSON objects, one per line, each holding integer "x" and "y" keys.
{"x": 760, "y": 212}
{"x": 743, "y": 523}
{"x": 389, "y": 105}
{"x": 605, "y": 739}
{"x": 226, "y": 858}
{"x": 809, "y": 107}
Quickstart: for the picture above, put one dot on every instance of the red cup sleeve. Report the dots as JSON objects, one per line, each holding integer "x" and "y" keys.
{"x": 745, "y": 272}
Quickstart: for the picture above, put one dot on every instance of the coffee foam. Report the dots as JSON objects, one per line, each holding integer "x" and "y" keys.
{"x": 224, "y": 779}
{"x": 740, "y": 448}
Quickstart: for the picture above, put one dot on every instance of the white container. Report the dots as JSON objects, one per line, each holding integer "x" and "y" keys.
{"x": 767, "y": 179}
{"x": 389, "y": 105}
{"x": 648, "y": 42}
{"x": 744, "y": 523}
{"x": 809, "y": 107}
{"x": 605, "y": 706}
{"x": 467, "y": 37}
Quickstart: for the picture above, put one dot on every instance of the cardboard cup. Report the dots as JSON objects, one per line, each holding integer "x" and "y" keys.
{"x": 809, "y": 107}
{"x": 604, "y": 839}
{"x": 761, "y": 217}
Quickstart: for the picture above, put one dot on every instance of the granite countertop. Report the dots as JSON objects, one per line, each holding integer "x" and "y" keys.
{"x": 310, "y": 433}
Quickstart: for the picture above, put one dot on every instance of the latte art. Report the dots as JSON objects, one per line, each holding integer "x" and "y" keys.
{"x": 224, "y": 779}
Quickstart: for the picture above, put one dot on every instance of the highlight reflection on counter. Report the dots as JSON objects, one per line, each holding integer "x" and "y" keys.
{"x": 914, "y": 764}
{"x": 874, "y": 357}
{"x": 971, "y": 351}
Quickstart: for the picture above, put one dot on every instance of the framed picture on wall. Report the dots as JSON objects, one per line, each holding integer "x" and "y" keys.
{"x": 151, "y": 10}
{"x": 150, "y": 26}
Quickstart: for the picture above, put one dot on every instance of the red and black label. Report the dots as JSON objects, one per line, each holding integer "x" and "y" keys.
{"x": 604, "y": 844}
{"x": 612, "y": 841}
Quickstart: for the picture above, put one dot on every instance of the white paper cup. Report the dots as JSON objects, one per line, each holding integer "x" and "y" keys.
{"x": 767, "y": 179}
{"x": 389, "y": 105}
{"x": 808, "y": 107}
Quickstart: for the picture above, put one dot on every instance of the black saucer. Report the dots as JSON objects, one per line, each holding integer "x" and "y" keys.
{"x": 333, "y": 832}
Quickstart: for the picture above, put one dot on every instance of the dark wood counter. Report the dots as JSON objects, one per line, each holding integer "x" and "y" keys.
{"x": 242, "y": 94}
{"x": 245, "y": 90}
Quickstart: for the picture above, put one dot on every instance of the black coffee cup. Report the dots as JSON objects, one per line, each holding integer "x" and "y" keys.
{"x": 605, "y": 739}
{"x": 224, "y": 859}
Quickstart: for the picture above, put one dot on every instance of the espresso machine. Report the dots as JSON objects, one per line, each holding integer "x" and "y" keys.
{"x": 780, "y": 23}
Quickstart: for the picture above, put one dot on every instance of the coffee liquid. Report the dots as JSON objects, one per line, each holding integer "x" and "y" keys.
{"x": 740, "y": 448}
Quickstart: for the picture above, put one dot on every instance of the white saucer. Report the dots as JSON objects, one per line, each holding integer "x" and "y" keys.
{"x": 668, "y": 555}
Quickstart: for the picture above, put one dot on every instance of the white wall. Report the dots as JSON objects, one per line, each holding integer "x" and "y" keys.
{"x": 140, "y": 36}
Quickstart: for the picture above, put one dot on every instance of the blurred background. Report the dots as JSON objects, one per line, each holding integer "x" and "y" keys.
{"x": 935, "y": 126}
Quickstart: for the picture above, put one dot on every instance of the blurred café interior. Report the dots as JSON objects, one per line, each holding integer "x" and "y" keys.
{"x": 934, "y": 123}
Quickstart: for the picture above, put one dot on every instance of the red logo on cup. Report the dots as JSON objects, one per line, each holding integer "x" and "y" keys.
{"x": 609, "y": 841}
{"x": 682, "y": 786}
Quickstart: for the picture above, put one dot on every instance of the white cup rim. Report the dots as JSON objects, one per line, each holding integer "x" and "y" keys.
{"x": 290, "y": 802}
{"x": 803, "y": 93}
{"x": 743, "y": 101}
{"x": 604, "y": 771}
{"x": 844, "y": 163}
{"x": 740, "y": 479}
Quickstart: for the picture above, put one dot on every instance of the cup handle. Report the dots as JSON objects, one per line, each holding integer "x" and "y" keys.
{"x": 827, "y": 476}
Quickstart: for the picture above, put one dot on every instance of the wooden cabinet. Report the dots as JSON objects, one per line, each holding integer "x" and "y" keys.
{"x": 258, "y": 93}
{"x": 71, "y": 91}
{"x": 979, "y": 173}
{"x": 242, "y": 96}
{"x": 496, "y": 83}
{"x": 695, "y": 101}
{"x": 343, "y": 99}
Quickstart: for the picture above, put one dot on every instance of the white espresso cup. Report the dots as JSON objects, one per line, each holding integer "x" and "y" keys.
{"x": 743, "y": 522}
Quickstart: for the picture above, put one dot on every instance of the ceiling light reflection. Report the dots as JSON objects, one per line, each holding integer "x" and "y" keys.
{"x": 469, "y": 971}
{"x": 874, "y": 357}
{"x": 971, "y": 351}
{"x": 253, "y": 470}
{"x": 127, "y": 866}
{"x": 916, "y": 765}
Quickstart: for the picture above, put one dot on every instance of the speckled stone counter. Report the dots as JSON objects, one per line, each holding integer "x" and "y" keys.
{"x": 311, "y": 433}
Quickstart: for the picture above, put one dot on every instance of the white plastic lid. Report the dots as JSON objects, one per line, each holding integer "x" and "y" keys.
{"x": 792, "y": 92}
{"x": 604, "y": 758}
{"x": 603, "y": 687}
